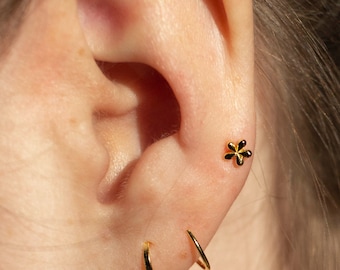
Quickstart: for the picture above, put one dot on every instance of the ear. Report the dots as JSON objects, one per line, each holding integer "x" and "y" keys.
{"x": 204, "y": 51}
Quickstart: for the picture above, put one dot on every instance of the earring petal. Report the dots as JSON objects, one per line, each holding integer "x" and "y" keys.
{"x": 232, "y": 146}
{"x": 229, "y": 155}
{"x": 239, "y": 159}
{"x": 247, "y": 153}
{"x": 241, "y": 144}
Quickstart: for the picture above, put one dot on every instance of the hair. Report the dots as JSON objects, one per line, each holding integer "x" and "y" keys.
{"x": 12, "y": 13}
{"x": 303, "y": 95}
{"x": 297, "y": 83}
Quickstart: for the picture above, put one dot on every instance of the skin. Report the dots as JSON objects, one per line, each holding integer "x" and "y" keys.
{"x": 114, "y": 121}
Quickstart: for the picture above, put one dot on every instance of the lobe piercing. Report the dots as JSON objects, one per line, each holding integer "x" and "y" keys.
{"x": 238, "y": 152}
{"x": 146, "y": 255}
{"x": 204, "y": 263}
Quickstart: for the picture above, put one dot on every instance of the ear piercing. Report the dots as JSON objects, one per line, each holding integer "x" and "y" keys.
{"x": 204, "y": 263}
{"x": 238, "y": 152}
{"x": 146, "y": 255}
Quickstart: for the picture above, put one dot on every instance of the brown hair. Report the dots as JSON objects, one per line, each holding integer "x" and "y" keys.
{"x": 304, "y": 97}
{"x": 11, "y": 15}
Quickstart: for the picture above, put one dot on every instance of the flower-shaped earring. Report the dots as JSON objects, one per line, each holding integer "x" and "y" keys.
{"x": 238, "y": 152}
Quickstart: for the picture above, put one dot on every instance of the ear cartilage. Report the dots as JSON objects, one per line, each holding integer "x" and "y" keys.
{"x": 238, "y": 151}
{"x": 204, "y": 263}
{"x": 146, "y": 255}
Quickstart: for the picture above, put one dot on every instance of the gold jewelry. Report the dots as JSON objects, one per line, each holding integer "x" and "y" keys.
{"x": 204, "y": 263}
{"x": 146, "y": 255}
{"x": 238, "y": 152}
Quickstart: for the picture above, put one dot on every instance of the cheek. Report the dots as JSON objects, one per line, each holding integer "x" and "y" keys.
{"x": 48, "y": 137}
{"x": 50, "y": 151}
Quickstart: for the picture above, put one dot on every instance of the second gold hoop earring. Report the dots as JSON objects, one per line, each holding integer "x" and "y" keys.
{"x": 204, "y": 263}
{"x": 146, "y": 255}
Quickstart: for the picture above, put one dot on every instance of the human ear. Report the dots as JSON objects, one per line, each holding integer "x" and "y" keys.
{"x": 204, "y": 51}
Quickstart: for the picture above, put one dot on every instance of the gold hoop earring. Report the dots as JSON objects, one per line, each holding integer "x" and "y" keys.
{"x": 204, "y": 263}
{"x": 146, "y": 255}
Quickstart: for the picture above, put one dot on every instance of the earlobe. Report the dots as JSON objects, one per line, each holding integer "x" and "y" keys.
{"x": 183, "y": 181}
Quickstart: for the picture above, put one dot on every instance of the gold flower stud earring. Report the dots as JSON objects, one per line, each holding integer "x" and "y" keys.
{"x": 238, "y": 151}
